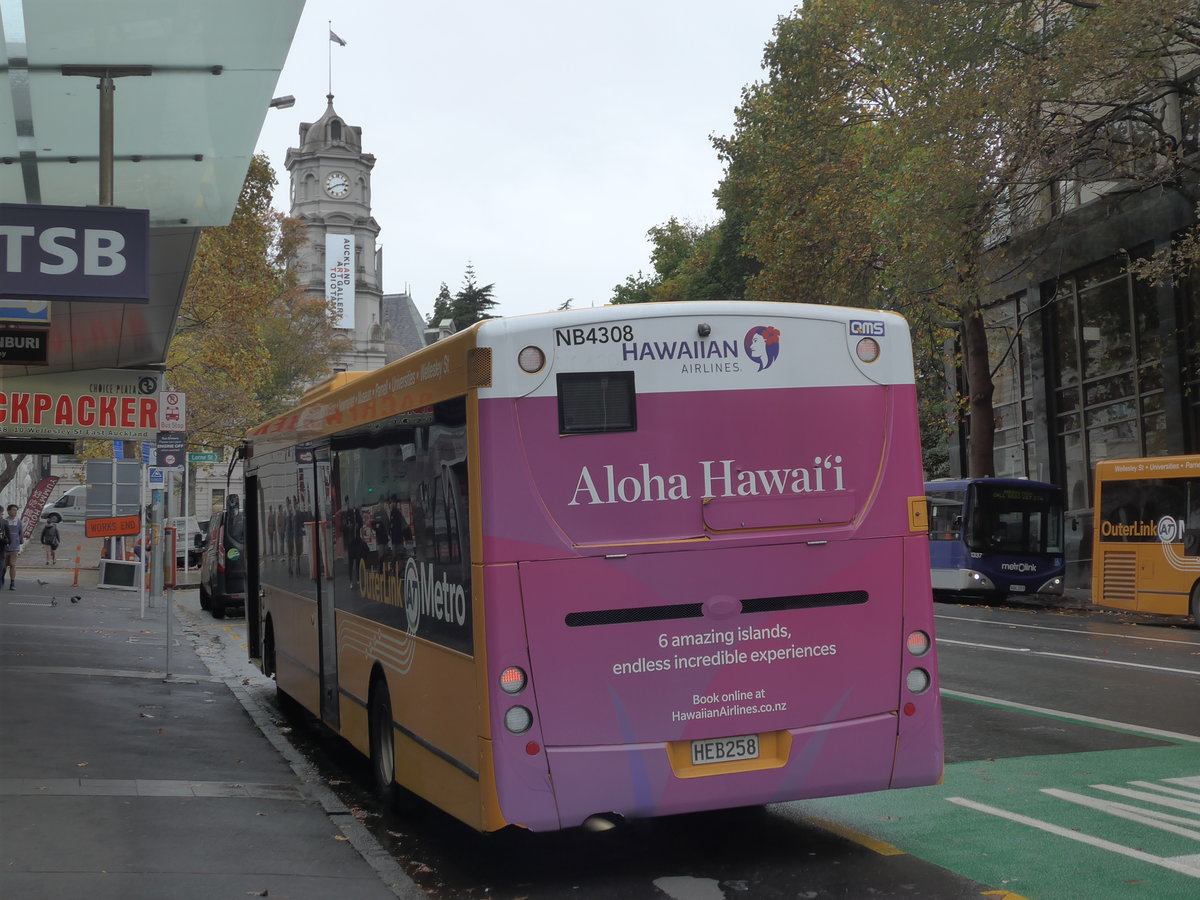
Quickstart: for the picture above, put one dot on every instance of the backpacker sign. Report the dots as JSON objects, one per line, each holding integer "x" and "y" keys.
{"x": 102, "y": 404}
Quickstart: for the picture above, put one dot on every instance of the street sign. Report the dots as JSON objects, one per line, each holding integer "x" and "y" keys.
{"x": 172, "y": 411}
{"x": 114, "y": 526}
{"x": 158, "y": 477}
{"x": 206, "y": 456}
{"x": 169, "y": 452}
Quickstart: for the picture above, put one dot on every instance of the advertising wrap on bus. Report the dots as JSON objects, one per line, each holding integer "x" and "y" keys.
{"x": 622, "y": 562}
{"x": 1146, "y": 546}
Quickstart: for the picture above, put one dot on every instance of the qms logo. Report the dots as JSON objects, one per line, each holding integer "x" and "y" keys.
{"x": 762, "y": 345}
{"x": 866, "y": 328}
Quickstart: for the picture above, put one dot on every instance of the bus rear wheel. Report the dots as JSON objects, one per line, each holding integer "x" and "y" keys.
{"x": 1194, "y": 604}
{"x": 383, "y": 743}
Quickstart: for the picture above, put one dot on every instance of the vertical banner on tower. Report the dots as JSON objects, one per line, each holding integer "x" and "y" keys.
{"x": 339, "y": 277}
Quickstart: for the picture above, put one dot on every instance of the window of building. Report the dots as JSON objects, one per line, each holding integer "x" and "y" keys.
{"x": 1012, "y": 384}
{"x": 1108, "y": 389}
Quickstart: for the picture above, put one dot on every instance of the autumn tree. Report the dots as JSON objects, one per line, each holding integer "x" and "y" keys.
{"x": 888, "y": 157}
{"x": 249, "y": 340}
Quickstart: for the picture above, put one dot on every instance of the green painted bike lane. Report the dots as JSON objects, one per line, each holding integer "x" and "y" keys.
{"x": 1114, "y": 823}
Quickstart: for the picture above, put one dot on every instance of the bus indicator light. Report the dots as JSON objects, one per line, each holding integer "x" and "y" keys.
{"x": 910, "y": 709}
{"x": 917, "y": 681}
{"x": 533, "y": 748}
{"x": 518, "y": 720}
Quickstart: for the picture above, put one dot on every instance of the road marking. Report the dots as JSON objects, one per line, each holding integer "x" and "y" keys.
{"x": 1173, "y": 864}
{"x": 1153, "y": 818}
{"x": 1075, "y": 717}
{"x": 881, "y": 847}
{"x": 1083, "y": 631}
{"x": 1071, "y": 656}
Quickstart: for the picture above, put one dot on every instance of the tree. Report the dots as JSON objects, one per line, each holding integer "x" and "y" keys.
{"x": 443, "y": 306}
{"x": 472, "y": 302}
{"x": 888, "y": 157}
{"x": 468, "y": 306}
{"x": 11, "y": 467}
{"x": 248, "y": 338}
{"x": 690, "y": 263}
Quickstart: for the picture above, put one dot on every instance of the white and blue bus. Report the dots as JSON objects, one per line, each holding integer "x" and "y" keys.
{"x": 993, "y": 537}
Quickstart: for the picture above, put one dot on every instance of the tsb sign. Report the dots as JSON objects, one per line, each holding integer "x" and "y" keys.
{"x": 71, "y": 253}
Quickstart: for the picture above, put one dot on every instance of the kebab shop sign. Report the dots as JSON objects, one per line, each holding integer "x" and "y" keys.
{"x": 103, "y": 404}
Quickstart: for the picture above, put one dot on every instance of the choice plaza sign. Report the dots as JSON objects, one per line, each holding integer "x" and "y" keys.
{"x": 74, "y": 253}
{"x": 106, "y": 404}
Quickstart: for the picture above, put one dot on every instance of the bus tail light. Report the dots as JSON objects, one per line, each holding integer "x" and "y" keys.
{"x": 518, "y": 719}
{"x": 918, "y": 643}
{"x": 513, "y": 680}
{"x": 220, "y": 555}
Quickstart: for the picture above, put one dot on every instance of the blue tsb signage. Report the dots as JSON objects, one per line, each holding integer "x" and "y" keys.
{"x": 74, "y": 253}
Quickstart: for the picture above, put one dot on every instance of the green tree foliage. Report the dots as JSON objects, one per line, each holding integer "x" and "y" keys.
{"x": 248, "y": 338}
{"x": 471, "y": 304}
{"x": 690, "y": 263}
{"x": 887, "y": 157}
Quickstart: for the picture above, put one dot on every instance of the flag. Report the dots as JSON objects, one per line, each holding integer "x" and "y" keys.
{"x": 337, "y": 40}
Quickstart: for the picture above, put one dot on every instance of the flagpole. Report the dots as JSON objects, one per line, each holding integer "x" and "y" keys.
{"x": 329, "y": 47}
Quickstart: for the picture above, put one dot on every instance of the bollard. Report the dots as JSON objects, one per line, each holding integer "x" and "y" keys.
{"x": 78, "y": 554}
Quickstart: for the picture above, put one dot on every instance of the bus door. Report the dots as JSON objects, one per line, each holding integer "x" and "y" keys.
{"x": 314, "y": 486}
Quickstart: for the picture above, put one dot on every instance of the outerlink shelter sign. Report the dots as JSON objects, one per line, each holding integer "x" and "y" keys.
{"x": 74, "y": 253}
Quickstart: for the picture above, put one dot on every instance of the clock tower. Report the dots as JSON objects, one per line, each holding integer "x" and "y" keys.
{"x": 331, "y": 196}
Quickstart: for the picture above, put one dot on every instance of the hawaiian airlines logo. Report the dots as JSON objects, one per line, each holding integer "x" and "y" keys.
{"x": 762, "y": 345}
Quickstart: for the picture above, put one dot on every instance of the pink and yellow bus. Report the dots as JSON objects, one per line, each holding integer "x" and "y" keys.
{"x": 562, "y": 569}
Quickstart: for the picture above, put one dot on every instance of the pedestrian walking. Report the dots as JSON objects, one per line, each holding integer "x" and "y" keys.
{"x": 12, "y": 545}
{"x": 50, "y": 541}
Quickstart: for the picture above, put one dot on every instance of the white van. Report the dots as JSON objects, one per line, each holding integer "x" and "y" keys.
{"x": 70, "y": 507}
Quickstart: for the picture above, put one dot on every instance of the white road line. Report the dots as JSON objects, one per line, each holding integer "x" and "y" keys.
{"x": 1191, "y": 781}
{"x": 1070, "y": 656}
{"x": 1175, "y": 865}
{"x": 1187, "y": 795}
{"x": 1075, "y": 717}
{"x": 1153, "y": 818}
{"x": 1169, "y": 802}
{"x": 1083, "y": 631}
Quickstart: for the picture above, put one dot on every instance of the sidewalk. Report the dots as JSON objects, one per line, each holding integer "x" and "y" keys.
{"x": 119, "y": 781}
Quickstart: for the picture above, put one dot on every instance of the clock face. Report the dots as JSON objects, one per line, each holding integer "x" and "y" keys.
{"x": 337, "y": 184}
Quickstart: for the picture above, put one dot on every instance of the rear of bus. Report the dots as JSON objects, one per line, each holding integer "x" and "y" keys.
{"x": 704, "y": 560}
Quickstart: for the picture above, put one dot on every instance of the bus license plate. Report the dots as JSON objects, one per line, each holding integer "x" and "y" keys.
{"x": 729, "y": 749}
{"x": 1017, "y": 588}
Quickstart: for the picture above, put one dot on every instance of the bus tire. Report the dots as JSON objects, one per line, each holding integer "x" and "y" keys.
{"x": 218, "y": 607}
{"x": 1194, "y": 605}
{"x": 383, "y": 742}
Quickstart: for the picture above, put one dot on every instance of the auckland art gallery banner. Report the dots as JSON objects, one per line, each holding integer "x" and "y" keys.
{"x": 339, "y": 276}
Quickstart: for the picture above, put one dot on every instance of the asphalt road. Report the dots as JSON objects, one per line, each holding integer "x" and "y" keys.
{"x": 1073, "y": 770}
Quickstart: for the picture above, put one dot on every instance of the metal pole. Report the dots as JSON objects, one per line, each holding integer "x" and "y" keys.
{"x": 107, "y": 88}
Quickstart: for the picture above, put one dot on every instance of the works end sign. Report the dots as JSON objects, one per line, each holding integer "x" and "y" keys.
{"x": 74, "y": 253}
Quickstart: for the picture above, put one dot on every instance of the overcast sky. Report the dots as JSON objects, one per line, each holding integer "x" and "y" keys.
{"x": 538, "y": 140}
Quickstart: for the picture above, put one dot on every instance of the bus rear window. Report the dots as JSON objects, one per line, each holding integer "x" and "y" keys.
{"x": 596, "y": 402}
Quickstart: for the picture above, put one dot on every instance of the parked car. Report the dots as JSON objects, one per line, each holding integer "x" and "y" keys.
{"x": 223, "y": 561}
{"x": 70, "y": 507}
{"x": 189, "y": 540}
